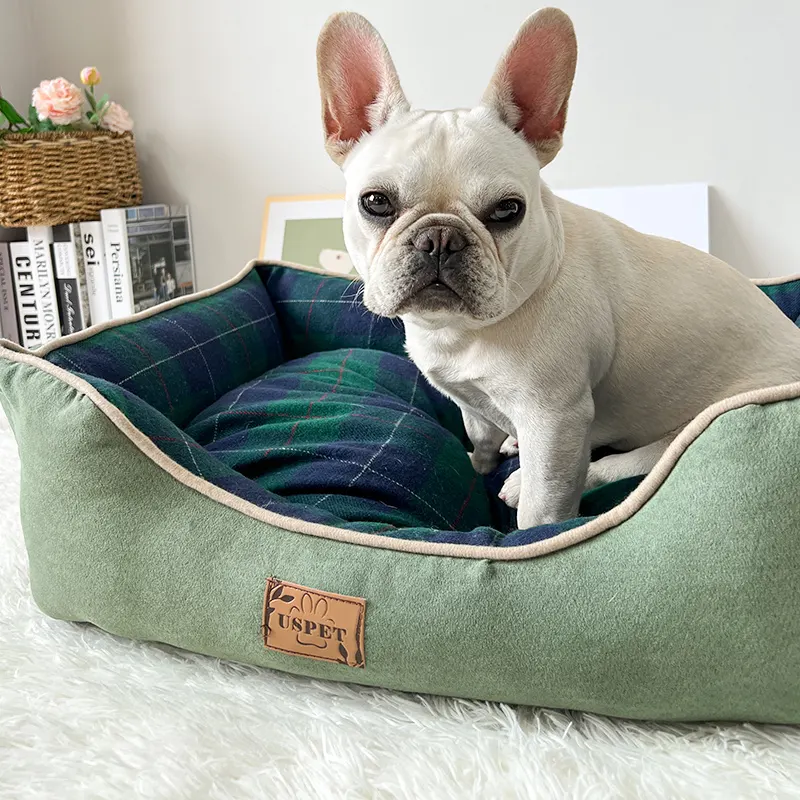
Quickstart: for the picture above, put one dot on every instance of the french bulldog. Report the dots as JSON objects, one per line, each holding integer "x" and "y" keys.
{"x": 544, "y": 321}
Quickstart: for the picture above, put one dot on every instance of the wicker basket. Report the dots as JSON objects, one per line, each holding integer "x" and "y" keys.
{"x": 51, "y": 178}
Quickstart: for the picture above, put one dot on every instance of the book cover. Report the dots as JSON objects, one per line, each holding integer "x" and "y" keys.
{"x": 8, "y": 305}
{"x": 118, "y": 265}
{"x": 69, "y": 293}
{"x": 160, "y": 252}
{"x": 25, "y": 287}
{"x": 40, "y": 237}
{"x": 94, "y": 259}
{"x": 80, "y": 269}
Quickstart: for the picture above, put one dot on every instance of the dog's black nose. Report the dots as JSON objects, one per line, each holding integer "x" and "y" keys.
{"x": 439, "y": 241}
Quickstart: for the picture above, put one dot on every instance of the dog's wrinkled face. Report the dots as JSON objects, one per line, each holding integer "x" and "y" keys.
{"x": 444, "y": 215}
{"x": 439, "y": 207}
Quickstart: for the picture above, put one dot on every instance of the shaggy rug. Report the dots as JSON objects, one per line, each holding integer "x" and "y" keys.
{"x": 84, "y": 714}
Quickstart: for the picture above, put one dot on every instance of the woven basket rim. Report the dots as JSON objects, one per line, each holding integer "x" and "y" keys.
{"x": 60, "y": 137}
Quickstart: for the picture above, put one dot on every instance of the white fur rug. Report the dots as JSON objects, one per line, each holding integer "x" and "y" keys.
{"x": 84, "y": 714}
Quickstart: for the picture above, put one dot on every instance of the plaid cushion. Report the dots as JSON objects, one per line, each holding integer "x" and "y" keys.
{"x": 354, "y": 432}
{"x": 183, "y": 359}
{"x": 345, "y": 432}
{"x": 320, "y": 312}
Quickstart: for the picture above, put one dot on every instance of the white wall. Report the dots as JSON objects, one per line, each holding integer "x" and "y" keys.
{"x": 225, "y": 99}
{"x": 17, "y": 62}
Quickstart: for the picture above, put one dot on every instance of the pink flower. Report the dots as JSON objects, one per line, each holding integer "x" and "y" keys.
{"x": 59, "y": 101}
{"x": 115, "y": 118}
{"x": 90, "y": 76}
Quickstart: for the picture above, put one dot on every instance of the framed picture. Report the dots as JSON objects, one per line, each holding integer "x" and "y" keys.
{"x": 306, "y": 229}
{"x": 159, "y": 241}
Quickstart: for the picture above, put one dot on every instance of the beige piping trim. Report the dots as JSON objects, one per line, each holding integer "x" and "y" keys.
{"x": 775, "y": 281}
{"x": 624, "y": 511}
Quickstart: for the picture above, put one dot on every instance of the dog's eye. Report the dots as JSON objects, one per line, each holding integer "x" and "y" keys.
{"x": 377, "y": 204}
{"x": 507, "y": 211}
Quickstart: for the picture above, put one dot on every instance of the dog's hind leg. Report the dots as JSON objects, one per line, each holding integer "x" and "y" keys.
{"x": 627, "y": 465}
{"x": 605, "y": 470}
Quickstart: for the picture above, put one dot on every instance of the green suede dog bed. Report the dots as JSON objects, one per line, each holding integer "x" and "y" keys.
{"x": 258, "y": 473}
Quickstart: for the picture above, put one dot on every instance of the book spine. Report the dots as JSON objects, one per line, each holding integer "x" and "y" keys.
{"x": 40, "y": 237}
{"x": 25, "y": 286}
{"x": 94, "y": 258}
{"x": 118, "y": 264}
{"x": 80, "y": 273}
{"x": 8, "y": 308}
{"x": 69, "y": 297}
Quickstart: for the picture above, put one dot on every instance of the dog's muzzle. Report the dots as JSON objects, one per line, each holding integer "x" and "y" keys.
{"x": 436, "y": 269}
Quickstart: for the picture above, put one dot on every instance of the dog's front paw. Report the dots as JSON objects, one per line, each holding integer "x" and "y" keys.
{"x": 510, "y": 447}
{"x": 509, "y": 494}
{"x": 527, "y": 516}
{"x": 484, "y": 462}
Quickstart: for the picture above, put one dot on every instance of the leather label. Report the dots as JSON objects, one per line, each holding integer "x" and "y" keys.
{"x": 314, "y": 624}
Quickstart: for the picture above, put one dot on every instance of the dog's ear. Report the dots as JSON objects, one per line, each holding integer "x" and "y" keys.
{"x": 359, "y": 85}
{"x": 531, "y": 85}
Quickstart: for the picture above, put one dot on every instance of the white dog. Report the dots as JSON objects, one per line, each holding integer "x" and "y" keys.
{"x": 543, "y": 320}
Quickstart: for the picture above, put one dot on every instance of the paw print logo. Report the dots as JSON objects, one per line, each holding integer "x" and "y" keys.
{"x": 316, "y": 612}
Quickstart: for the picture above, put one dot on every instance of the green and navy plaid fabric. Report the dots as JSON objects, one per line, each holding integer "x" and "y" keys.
{"x": 287, "y": 392}
{"x": 184, "y": 450}
{"x": 183, "y": 359}
{"x": 352, "y": 432}
{"x": 320, "y": 312}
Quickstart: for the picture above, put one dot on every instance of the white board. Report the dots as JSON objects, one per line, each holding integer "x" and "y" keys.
{"x": 677, "y": 211}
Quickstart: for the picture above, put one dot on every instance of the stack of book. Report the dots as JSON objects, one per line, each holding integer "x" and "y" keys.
{"x": 60, "y": 280}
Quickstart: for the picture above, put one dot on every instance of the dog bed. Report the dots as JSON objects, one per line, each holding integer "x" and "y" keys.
{"x": 259, "y": 474}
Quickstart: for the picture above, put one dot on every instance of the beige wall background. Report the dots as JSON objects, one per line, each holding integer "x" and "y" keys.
{"x": 225, "y": 100}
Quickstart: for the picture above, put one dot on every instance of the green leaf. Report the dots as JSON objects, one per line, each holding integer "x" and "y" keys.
{"x": 102, "y": 101}
{"x": 33, "y": 117}
{"x": 11, "y": 113}
{"x": 18, "y": 129}
{"x": 90, "y": 98}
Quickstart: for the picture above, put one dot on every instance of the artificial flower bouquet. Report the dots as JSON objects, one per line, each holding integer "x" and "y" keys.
{"x": 70, "y": 157}
{"x": 57, "y": 105}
